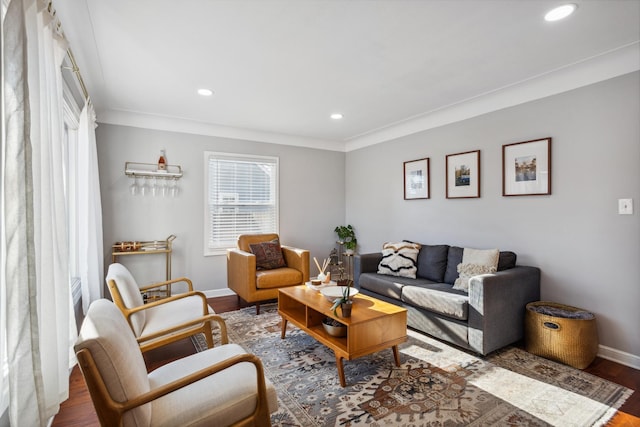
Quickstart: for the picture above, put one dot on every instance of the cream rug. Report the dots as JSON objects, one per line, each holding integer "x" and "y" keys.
{"x": 436, "y": 385}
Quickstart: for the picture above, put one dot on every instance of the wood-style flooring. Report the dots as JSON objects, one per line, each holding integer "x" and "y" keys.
{"x": 78, "y": 409}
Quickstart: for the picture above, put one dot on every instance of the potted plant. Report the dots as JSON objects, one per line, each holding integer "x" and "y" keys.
{"x": 347, "y": 237}
{"x": 344, "y": 302}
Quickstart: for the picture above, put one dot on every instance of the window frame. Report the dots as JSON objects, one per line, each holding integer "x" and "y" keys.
{"x": 222, "y": 250}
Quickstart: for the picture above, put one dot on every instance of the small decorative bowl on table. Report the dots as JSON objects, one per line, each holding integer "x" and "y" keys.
{"x": 334, "y": 328}
{"x": 332, "y": 293}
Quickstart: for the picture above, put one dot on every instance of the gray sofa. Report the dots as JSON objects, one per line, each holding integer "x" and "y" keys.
{"x": 489, "y": 317}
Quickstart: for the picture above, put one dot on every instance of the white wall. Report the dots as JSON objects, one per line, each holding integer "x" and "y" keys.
{"x": 589, "y": 255}
{"x": 311, "y": 199}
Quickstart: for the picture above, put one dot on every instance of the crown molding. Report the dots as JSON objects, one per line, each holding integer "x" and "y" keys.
{"x": 614, "y": 63}
{"x": 173, "y": 124}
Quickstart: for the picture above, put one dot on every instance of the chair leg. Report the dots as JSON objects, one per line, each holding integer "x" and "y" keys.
{"x": 257, "y": 308}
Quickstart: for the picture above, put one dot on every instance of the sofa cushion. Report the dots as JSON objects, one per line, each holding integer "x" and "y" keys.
{"x": 268, "y": 255}
{"x": 507, "y": 260}
{"x": 438, "y": 298}
{"x": 386, "y": 285}
{"x": 399, "y": 259}
{"x": 454, "y": 257}
{"x": 475, "y": 262}
{"x": 432, "y": 262}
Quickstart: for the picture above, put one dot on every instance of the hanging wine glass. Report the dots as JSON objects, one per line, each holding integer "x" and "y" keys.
{"x": 134, "y": 188}
{"x": 145, "y": 190}
{"x": 154, "y": 186}
{"x": 162, "y": 187}
{"x": 175, "y": 190}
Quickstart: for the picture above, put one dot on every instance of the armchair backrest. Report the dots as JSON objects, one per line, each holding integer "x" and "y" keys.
{"x": 125, "y": 290}
{"x": 244, "y": 240}
{"x": 120, "y": 365}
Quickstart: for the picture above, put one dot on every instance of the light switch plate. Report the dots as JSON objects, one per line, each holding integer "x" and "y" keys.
{"x": 625, "y": 206}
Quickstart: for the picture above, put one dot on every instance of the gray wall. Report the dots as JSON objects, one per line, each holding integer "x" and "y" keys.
{"x": 589, "y": 255}
{"x": 311, "y": 199}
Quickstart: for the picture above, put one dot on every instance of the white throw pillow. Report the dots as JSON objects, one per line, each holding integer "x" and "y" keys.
{"x": 399, "y": 259}
{"x": 475, "y": 262}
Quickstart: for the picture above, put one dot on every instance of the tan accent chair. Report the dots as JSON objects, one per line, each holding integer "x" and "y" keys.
{"x": 260, "y": 285}
{"x": 163, "y": 321}
{"x": 220, "y": 386}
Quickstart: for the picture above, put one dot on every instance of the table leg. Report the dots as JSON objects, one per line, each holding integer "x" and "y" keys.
{"x": 396, "y": 355}
{"x": 284, "y": 328}
{"x": 339, "y": 359}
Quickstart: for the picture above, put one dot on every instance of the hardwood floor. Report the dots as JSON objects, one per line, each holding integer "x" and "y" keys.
{"x": 78, "y": 409}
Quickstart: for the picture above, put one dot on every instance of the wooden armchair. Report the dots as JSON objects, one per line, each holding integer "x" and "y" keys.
{"x": 253, "y": 284}
{"x": 163, "y": 321}
{"x": 221, "y": 386}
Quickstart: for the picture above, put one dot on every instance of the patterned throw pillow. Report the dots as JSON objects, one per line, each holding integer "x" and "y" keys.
{"x": 268, "y": 255}
{"x": 475, "y": 262}
{"x": 399, "y": 259}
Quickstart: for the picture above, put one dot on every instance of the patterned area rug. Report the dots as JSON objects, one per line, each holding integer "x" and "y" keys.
{"x": 436, "y": 385}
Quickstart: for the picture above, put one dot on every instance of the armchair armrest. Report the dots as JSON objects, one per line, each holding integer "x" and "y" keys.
{"x": 224, "y": 338}
{"x": 497, "y": 306}
{"x": 365, "y": 263}
{"x": 168, "y": 282}
{"x": 298, "y": 259}
{"x": 241, "y": 272}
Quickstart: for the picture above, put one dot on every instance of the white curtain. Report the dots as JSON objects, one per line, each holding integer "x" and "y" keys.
{"x": 89, "y": 210}
{"x": 39, "y": 320}
{"x": 19, "y": 304}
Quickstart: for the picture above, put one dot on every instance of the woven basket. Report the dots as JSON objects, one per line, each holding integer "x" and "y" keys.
{"x": 570, "y": 341}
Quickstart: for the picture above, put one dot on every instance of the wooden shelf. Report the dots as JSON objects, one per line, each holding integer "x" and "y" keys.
{"x": 151, "y": 170}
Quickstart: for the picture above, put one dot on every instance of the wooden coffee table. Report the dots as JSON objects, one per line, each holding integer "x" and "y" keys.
{"x": 374, "y": 325}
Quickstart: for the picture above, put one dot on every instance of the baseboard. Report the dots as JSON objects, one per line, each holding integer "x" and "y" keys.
{"x": 620, "y": 357}
{"x": 213, "y": 293}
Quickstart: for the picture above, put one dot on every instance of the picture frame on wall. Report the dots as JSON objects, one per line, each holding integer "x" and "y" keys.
{"x": 463, "y": 175}
{"x": 526, "y": 168}
{"x": 416, "y": 179}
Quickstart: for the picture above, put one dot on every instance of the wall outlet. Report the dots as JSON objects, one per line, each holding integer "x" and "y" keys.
{"x": 625, "y": 206}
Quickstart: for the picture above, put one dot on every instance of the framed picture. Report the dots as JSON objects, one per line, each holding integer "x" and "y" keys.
{"x": 526, "y": 168}
{"x": 416, "y": 179}
{"x": 463, "y": 175}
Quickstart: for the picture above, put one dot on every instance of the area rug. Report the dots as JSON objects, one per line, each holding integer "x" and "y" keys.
{"x": 436, "y": 384}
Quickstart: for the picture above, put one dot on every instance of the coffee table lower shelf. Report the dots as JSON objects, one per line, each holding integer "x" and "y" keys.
{"x": 374, "y": 325}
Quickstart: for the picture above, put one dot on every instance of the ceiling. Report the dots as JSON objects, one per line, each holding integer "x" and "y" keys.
{"x": 279, "y": 68}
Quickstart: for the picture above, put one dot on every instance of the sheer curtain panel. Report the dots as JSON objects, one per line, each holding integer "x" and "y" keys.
{"x": 89, "y": 210}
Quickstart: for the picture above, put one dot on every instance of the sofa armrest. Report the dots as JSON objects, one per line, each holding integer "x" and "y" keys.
{"x": 497, "y": 306}
{"x": 241, "y": 272}
{"x": 365, "y": 263}
{"x": 298, "y": 259}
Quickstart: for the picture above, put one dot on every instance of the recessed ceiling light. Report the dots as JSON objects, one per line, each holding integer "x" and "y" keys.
{"x": 205, "y": 92}
{"x": 336, "y": 116}
{"x": 560, "y": 12}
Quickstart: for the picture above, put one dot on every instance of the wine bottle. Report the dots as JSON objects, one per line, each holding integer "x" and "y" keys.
{"x": 162, "y": 161}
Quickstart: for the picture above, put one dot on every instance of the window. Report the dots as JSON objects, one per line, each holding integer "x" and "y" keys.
{"x": 241, "y": 193}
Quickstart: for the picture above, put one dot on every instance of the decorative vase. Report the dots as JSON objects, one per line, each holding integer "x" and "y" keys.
{"x": 346, "y": 308}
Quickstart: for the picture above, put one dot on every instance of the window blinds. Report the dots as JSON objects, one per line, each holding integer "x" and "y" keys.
{"x": 241, "y": 197}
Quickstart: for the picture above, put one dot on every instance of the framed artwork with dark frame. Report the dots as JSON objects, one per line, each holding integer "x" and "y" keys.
{"x": 463, "y": 175}
{"x": 526, "y": 168}
{"x": 416, "y": 179}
